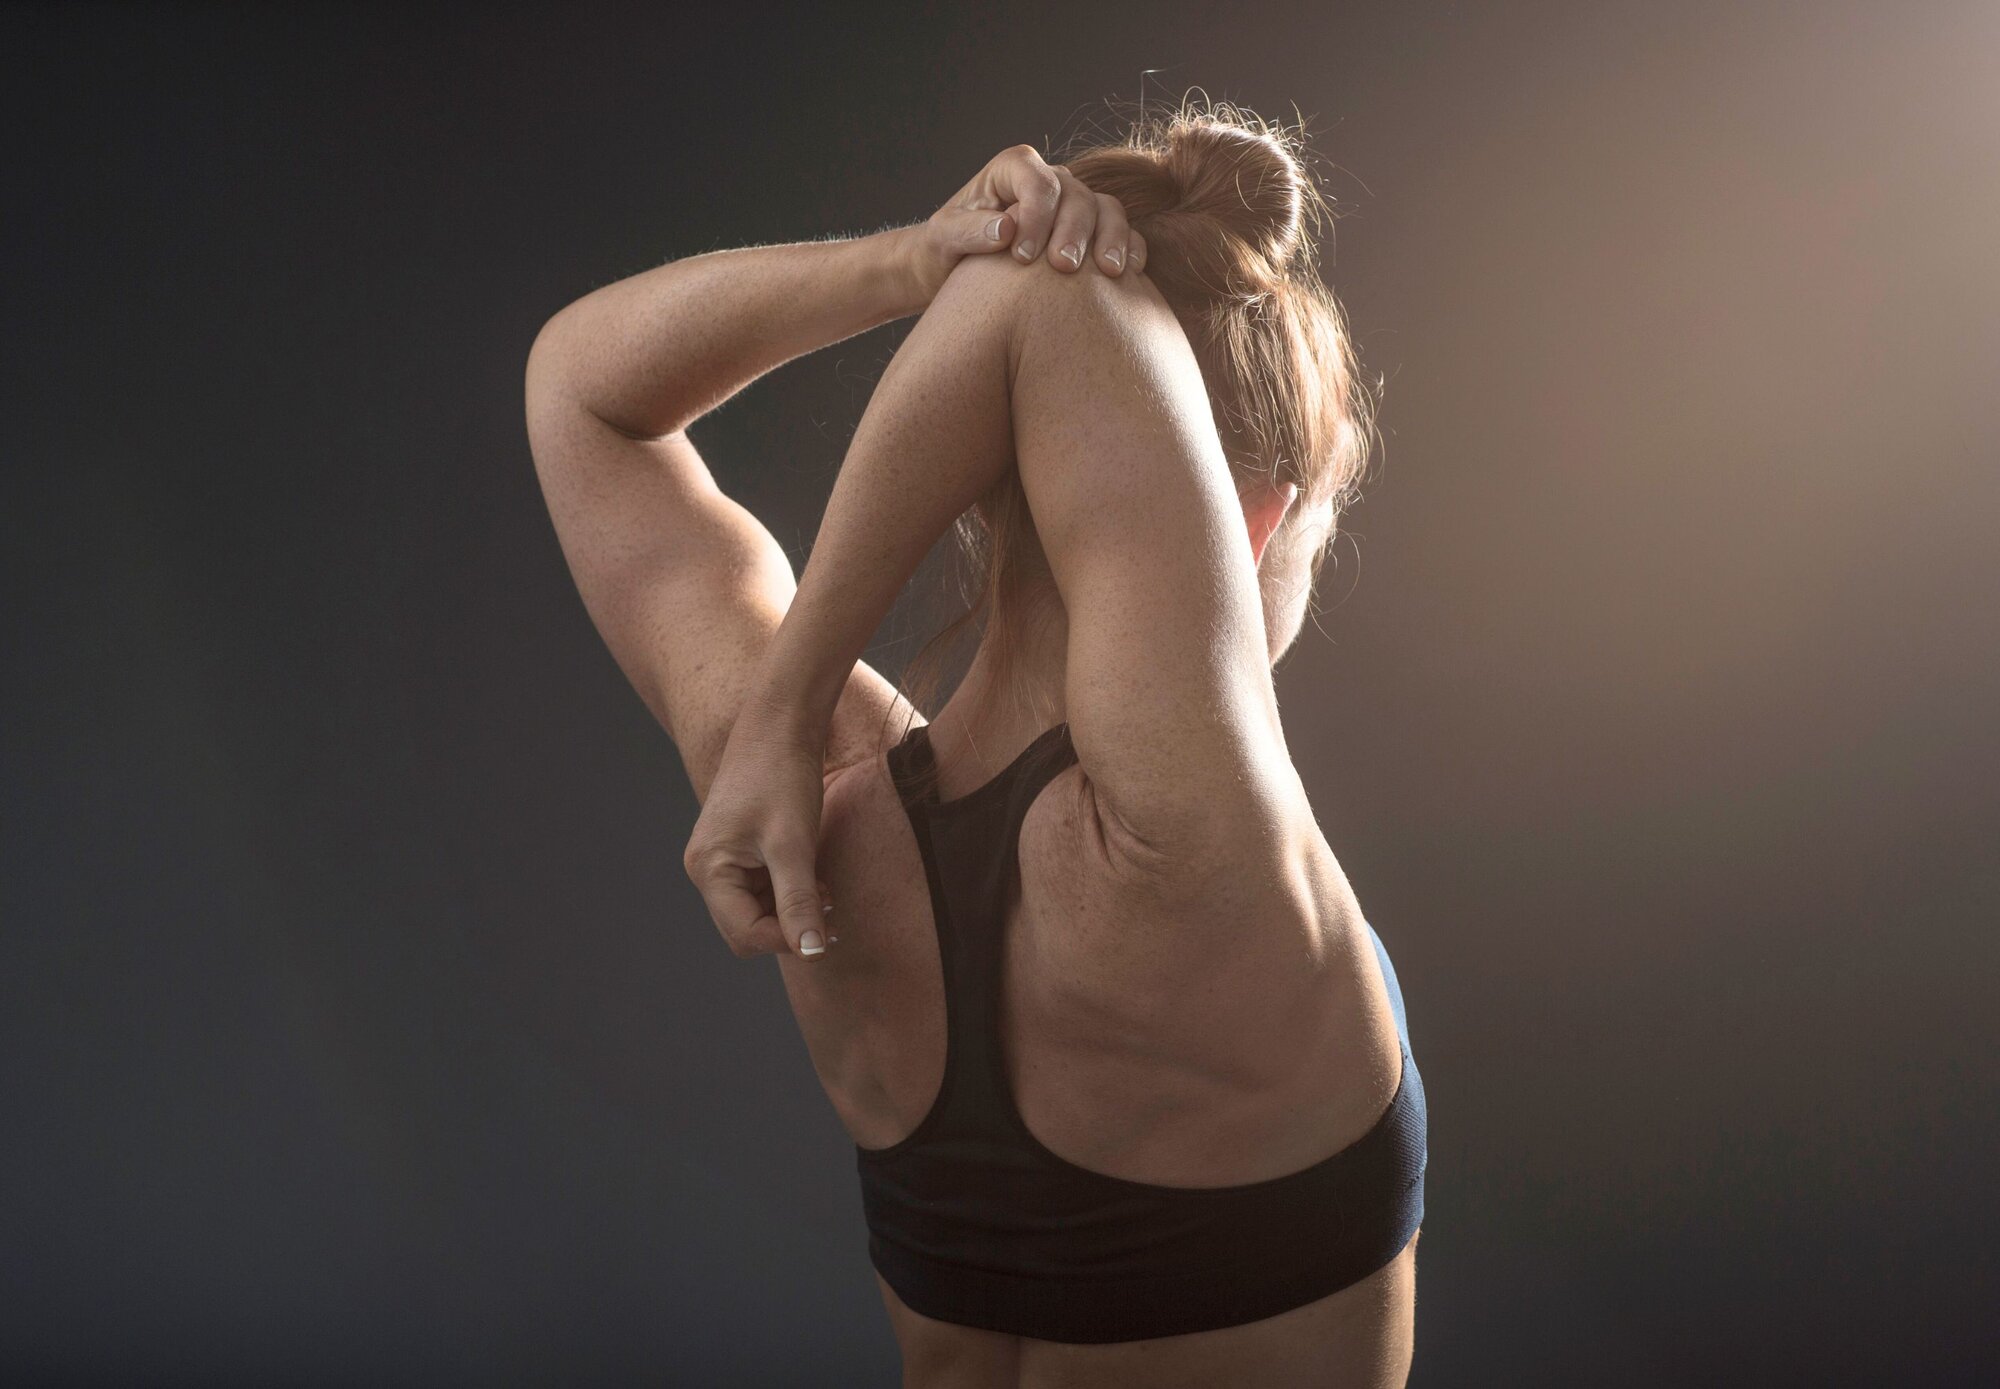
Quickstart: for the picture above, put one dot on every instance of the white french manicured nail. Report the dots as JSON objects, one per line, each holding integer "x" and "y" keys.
{"x": 993, "y": 228}
{"x": 1072, "y": 254}
{"x": 1026, "y": 250}
{"x": 1115, "y": 256}
{"x": 811, "y": 943}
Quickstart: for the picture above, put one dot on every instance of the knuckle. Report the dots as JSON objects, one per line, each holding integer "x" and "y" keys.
{"x": 788, "y": 846}
{"x": 798, "y": 901}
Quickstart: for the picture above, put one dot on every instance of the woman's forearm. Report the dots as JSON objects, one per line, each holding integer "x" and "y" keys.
{"x": 652, "y": 353}
{"x": 934, "y": 439}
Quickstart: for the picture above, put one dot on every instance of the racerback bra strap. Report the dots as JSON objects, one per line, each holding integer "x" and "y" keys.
{"x": 971, "y": 1220}
{"x": 978, "y": 836}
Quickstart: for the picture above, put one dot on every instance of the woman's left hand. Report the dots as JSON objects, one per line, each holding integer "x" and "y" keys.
{"x": 1021, "y": 201}
{"x": 754, "y": 851}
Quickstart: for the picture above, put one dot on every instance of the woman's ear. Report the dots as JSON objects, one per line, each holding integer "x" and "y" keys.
{"x": 1264, "y": 509}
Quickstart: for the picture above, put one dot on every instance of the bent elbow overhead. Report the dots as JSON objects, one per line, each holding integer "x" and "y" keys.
{"x": 547, "y": 360}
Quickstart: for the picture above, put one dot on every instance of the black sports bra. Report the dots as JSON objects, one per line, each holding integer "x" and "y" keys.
{"x": 971, "y": 1220}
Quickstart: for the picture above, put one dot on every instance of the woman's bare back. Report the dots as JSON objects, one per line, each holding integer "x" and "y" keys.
{"x": 1254, "y": 1055}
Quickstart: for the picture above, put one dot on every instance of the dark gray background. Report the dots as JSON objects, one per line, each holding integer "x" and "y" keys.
{"x": 357, "y": 1020}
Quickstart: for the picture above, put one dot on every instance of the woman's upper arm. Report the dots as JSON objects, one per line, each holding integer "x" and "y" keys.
{"x": 1168, "y": 688}
{"x": 685, "y": 586}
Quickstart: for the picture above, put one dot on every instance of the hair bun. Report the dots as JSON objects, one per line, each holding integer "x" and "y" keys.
{"x": 1242, "y": 176}
{"x": 1223, "y": 199}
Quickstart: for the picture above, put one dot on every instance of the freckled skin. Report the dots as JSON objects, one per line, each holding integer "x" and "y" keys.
{"x": 1281, "y": 1044}
{"x": 1229, "y": 1027}
{"x": 1226, "y": 1031}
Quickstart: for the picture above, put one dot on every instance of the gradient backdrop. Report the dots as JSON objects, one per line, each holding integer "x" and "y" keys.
{"x": 358, "y": 1023}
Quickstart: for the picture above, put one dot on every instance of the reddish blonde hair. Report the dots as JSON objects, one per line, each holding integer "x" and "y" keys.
{"x": 1231, "y": 216}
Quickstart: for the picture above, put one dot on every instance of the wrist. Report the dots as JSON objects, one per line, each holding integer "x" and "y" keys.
{"x": 766, "y": 721}
{"x": 890, "y": 255}
{"x": 796, "y": 693}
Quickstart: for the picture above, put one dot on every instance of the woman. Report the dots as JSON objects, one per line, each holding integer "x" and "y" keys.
{"x": 1124, "y": 1065}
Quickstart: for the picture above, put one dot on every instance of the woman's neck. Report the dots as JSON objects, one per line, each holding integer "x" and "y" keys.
{"x": 986, "y": 723}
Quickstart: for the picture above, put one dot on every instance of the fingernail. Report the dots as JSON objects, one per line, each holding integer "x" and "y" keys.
{"x": 993, "y": 227}
{"x": 811, "y": 943}
{"x": 1025, "y": 250}
{"x": 1072, "y": 254}
{"x": 833, "y": 940}
{"x": 826, "y": 910}
{"x": 1115, "y": 256}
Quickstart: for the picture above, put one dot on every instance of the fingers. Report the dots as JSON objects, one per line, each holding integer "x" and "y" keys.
{"x": 746, "y": 927}
{"x": 1056, "y": 216}
{"x": 976, "y": 230}
{"x": 1036, "y": 190}
{"x": 766, "y": 937}
{"x": 760, "y": 911}
{"x": 1075, "y": 221}
{"x": 1113, "y": 237}
{"x": 798, "y": 899}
